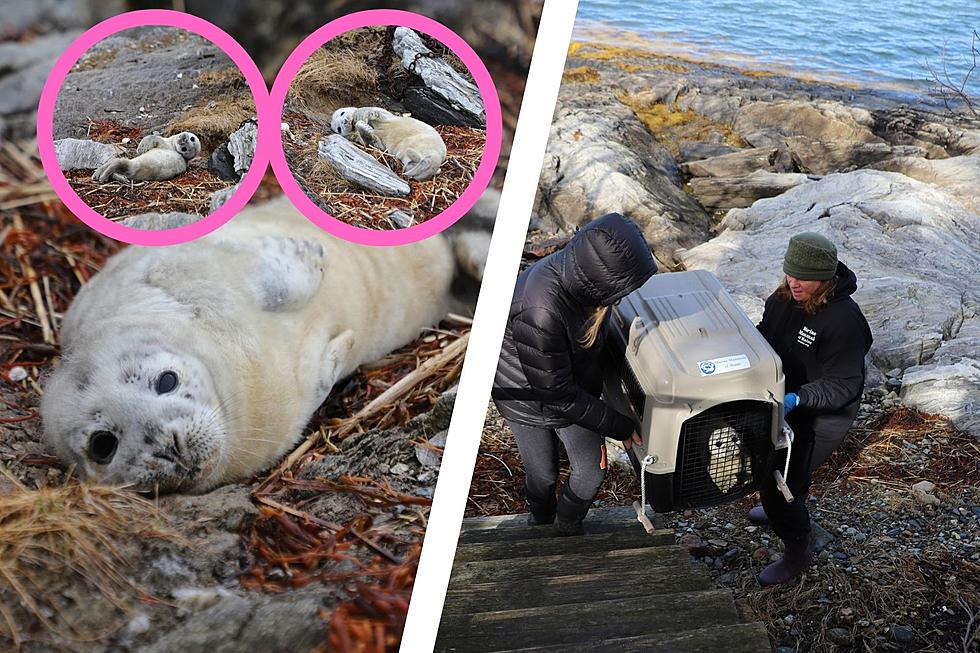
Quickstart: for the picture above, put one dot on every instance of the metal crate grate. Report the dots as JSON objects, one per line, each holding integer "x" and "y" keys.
{"x": 723, "y": 453}
{"x": 633, "y": 390}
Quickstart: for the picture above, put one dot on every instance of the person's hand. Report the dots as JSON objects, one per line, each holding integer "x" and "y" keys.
{"x": 631, "y": 440}
{"x": 790, "y": 402}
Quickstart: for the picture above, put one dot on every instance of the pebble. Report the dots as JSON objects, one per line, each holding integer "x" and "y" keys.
{"x": 840, "y": 636}
{"x": 789, "y": 620}
{"x": 761, "y": 554}
{"x": 17, "y": 374}
{"x": 902, "y": 634}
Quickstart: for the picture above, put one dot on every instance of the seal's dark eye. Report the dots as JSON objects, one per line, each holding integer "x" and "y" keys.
{"x": 166, "y": 382}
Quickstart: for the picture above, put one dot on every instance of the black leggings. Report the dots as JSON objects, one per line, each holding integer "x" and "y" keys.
{"x": 816, "y": 437}
{"x": 539, "y": 453}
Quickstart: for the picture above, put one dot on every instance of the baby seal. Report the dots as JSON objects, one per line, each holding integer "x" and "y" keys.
{"x": 417, "y": 145}
{"x": 189, "y": 366}
{"x": 157, "y": 159}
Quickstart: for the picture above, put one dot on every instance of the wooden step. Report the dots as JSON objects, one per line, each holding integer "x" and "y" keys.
{"x": 614, "y": 519}
{"x": 570, "y": 564}
{"x": 558, "y": 590}
{"x": 504, "y": 547}
{"x": 577, "y": 623}
{"x": 734, "y": 638}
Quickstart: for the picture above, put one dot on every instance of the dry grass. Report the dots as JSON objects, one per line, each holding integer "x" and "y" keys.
{"x": 363, "y": 208}
{"x": 75, "y": 533}
{"x": 188, "y": 193}
{"x": 215, "y": 121}
{"x": 334, "y": 78}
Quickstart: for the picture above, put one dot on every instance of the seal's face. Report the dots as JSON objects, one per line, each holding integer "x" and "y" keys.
{"x": 342, "y": 121}
{"x": 142, "y": 415}
{"x": 188, "y": 145}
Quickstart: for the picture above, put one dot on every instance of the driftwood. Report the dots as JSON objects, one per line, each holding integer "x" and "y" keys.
{"x": 360, "y": 168}
{"x": 241, "y": 146}
{"x": 437, "y": 74}
{"x": 76, "y": 154}
{"x": 401, "y": 219}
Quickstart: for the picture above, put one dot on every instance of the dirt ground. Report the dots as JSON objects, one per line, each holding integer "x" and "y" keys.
{"x": 152, "y": 80}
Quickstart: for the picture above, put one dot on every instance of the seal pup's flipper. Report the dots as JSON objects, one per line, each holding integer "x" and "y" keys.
{"x": 334, "y": 362}
{"x": 288, "y": 273}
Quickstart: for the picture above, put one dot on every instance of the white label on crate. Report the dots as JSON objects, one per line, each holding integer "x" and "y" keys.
{"x": 722, "y": 365}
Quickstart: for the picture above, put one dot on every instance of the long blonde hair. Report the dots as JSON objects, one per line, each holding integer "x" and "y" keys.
{"x": 816, "y": 301}
{"x": 593, "y": 327}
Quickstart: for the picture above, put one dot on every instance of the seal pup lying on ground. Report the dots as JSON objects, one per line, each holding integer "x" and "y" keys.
{"x": 416, "y": 144}
{"x": 189, "y": 366}
{"x": 157, "y": 159}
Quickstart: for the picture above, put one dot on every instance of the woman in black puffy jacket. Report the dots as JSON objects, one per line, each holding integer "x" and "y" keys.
{"x": 549, "y": 376}
{"x": 822, "y": 337}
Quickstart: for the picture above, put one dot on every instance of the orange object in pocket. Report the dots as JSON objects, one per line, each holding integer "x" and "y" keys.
{"x": 602, "y": 461}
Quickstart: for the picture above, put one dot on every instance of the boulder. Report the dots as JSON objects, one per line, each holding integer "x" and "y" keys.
{"x": 739, "y": 192}
{"x": 741, "y": 163}
{"x": 698, "y": 150}
{"x": 905, "y": 126}
{"x": 825, "y": 157}
{"x": 915, "y": 250}
{"x": 77, "y": 154}
{"x": 601, "y": 159}
{"x": 24, "y": 67}
{"x": 766, "y": 124}
{"x": 159, "y": 221}
{"x": 959, "y": 175}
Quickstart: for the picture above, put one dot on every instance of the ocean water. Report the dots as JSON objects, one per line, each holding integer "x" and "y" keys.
{"x": 887, "y": 43}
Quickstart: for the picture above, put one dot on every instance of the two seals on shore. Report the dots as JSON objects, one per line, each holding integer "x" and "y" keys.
{"x": 416, "y": 144}
{"x": 190, "y": 366}
{"x": 157, "y": 159}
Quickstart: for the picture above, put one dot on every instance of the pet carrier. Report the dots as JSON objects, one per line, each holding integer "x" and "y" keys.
{"x": 706, "y": 389}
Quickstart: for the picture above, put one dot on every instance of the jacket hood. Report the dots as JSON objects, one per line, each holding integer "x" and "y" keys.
{"x": 846, "y": 282}
{"x": 605, "y": 261}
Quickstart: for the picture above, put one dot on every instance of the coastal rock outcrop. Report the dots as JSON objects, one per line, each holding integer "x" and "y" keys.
{"x": 600, "y": 159}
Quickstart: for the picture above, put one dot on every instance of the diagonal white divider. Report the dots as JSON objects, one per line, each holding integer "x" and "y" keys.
{"x": 510, "y": 230}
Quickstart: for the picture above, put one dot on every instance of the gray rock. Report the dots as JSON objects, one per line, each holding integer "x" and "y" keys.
{"x": 601, "y": 159}
{"x": 241, "y": 146}
{"x": 40, "y": 16}
{"x": 160, "y": 221}
{"x": 741, "y": 192}
{"x": 219, "y": 197}
{"x": 825, "y": 157}
{"x": 401, "y": 219}
{"x": 25, "y": 67}
{"x": 222, "y": 163}
{"x": 696, "y": 150}
{"x": 76, "y": 154}
{"x": 916, "y": 252}
{"x": 739, "y": 163}
{"x": 766, "y": 124}
{"x": 959, "y": 176}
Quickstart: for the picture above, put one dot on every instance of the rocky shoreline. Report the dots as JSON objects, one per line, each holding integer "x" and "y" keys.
{"x": 720, "y": 166}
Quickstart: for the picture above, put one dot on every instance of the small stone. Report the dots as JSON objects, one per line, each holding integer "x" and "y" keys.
{"x": 17, "y": 374}
{"x": 761, "y": 554}
{"x": 731, "y": 554}
{"x": 925, "y": 486}
{"x": 902, "y": 634}
{"x": 840, "y": 636}
{"x": 399, "y": 469}
{"x": 926, "y": 499}
{"x": 789, "y": 620}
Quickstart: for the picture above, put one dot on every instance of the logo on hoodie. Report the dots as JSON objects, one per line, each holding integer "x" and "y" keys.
{"x": 806, "y": 336}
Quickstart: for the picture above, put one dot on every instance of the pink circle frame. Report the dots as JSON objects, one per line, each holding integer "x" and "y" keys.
{"x": 45, "y": 126}
{"x": 271, "y": 139}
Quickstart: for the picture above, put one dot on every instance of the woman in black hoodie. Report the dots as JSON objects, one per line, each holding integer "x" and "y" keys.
{"x": 822, "y": 337}
{"x": 549, "y": 376}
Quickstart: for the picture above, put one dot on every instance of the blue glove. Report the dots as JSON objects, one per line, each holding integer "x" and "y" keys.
{"x": 790, "y": 402}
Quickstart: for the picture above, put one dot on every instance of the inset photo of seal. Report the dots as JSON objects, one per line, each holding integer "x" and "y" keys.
{"x": 385, "y": 126}
{"x": 153, "y": 127}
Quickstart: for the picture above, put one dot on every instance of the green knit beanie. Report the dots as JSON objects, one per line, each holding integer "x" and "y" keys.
{"x": 810, "y": 257}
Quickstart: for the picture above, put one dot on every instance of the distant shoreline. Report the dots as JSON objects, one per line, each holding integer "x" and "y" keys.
{"x": 666, "y": 45}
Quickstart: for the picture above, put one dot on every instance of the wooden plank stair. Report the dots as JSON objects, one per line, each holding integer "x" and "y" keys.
{"x": 614, "y": 588}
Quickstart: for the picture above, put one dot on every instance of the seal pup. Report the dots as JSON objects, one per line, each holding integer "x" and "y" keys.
{"x": 189, "y": 366}
{"x": 416, "y": 144}
{"x": 157, "y": 159}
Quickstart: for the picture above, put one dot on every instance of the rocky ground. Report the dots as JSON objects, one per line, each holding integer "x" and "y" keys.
{"x": 719, "y": 166}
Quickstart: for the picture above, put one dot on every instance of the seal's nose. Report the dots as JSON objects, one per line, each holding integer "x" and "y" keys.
{"x": 102, "y": 447}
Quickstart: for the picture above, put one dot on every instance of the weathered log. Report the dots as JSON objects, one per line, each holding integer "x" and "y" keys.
{"x": 241, "y": 145}
{"x": 360, "y": 168}
{"x": 437, "y": 74}
{"x": 75, "y": 154}
{"x": 401, "y": 219}
{"x": 428, "y": 107}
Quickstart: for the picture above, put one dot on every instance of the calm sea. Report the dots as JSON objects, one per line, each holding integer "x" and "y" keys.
{"x": 871, "y": 42}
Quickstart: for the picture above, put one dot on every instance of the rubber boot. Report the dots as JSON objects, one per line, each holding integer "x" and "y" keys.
{"x": 540, "y": 514}
{"x": 794, "y": 562}
{"x": 571, "y": 511}
{"x": 758, "y": 516}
